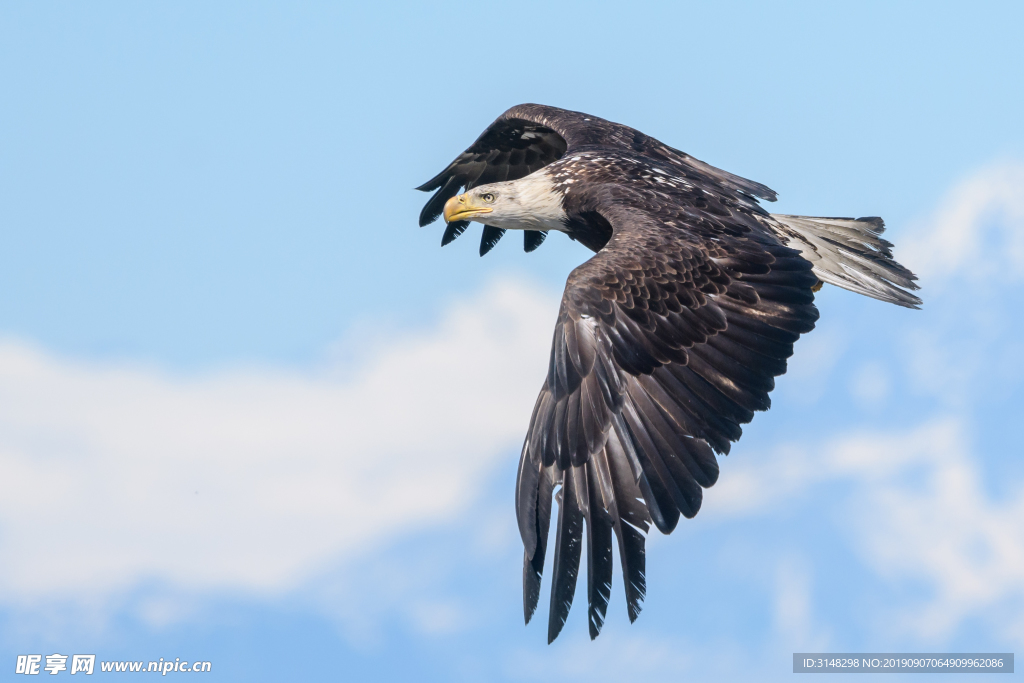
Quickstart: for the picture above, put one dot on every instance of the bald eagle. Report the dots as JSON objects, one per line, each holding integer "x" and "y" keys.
{"x": 667, "y": 340}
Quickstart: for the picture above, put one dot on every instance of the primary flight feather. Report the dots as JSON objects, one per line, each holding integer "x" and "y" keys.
{"x": 667, "y": 340}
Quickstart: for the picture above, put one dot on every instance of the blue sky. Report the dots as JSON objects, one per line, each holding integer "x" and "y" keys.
{"x": 250, "y": 413}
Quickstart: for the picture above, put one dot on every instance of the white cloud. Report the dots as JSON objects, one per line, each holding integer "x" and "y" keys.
{"x": 254, "y": 479}
{"x": 968, "y": 345}
{"x": 941, "y": 527}
{"x": 975, "y": 231}
{"x": 916, "y": 511}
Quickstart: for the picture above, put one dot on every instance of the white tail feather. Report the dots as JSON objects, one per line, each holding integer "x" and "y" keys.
{"x": 849, "y": 253}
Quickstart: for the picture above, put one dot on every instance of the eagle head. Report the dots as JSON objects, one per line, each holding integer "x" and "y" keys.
{"x": 529, "y": 203}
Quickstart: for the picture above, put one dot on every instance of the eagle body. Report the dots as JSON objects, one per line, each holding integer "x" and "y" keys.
{"x": 667, "y": 340}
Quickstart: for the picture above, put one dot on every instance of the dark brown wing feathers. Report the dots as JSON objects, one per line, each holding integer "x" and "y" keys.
{"x": 667, "y": 342}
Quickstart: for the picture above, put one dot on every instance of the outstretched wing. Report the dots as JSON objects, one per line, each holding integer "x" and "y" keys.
{"x": 667, "y": 340}
{"x": 528, "y": 137}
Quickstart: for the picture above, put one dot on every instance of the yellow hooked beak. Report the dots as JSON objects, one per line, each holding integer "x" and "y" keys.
{"x": 461, "y": 207}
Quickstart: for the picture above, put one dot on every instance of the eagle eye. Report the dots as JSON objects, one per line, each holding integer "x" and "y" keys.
{"x": 487, "y": 197}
